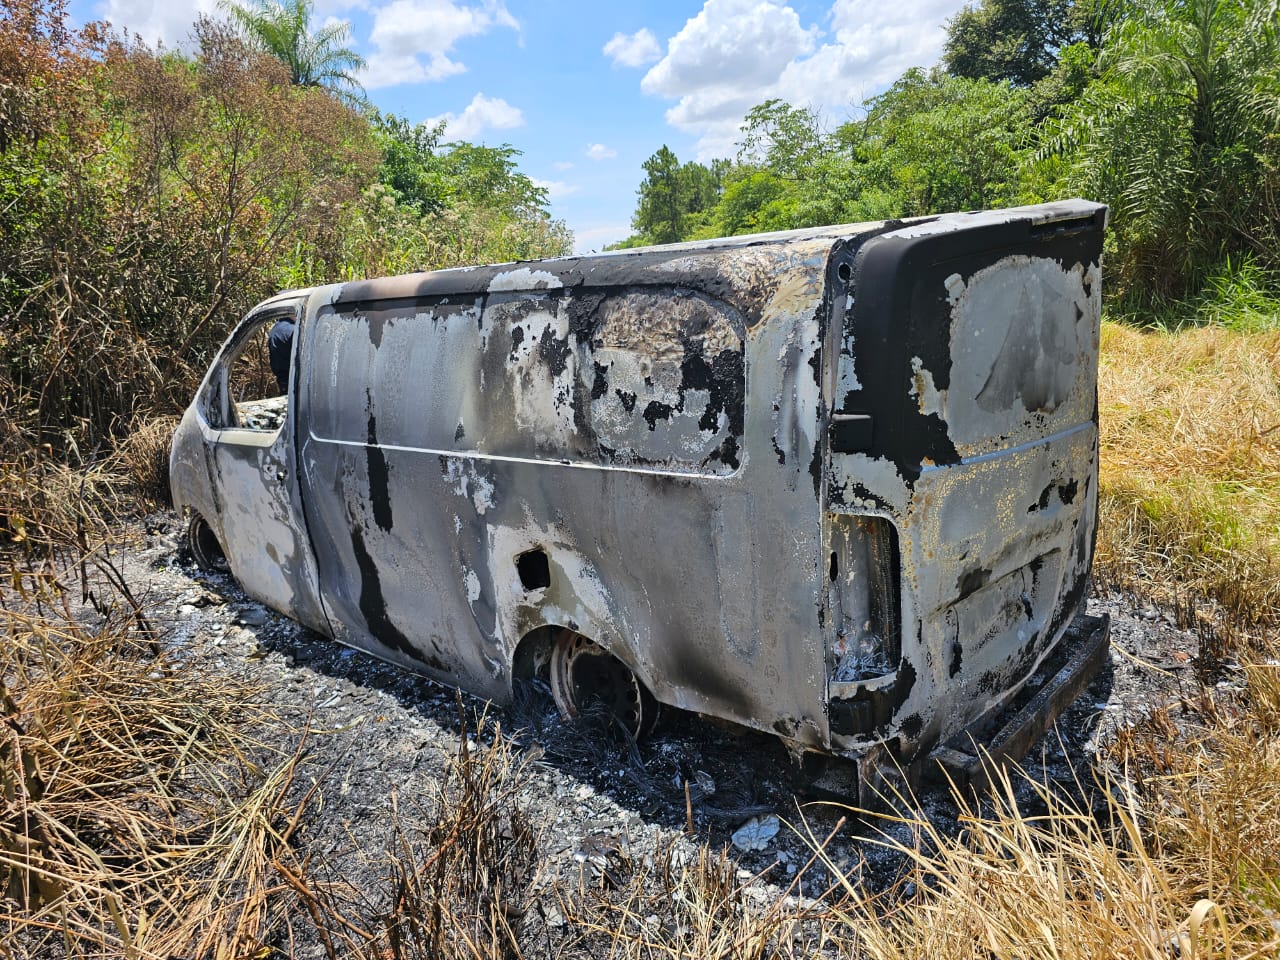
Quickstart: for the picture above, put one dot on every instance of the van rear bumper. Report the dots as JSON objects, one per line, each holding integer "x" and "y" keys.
{"x": 970, "y": 757}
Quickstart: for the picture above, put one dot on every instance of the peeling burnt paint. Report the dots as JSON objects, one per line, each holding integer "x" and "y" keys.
{"x": 379, "y": 480}
{"x": 637, "y": 446}
{"x": 657, "y": 410}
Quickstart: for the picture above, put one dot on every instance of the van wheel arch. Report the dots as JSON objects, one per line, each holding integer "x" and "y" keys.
{"x": 585, "y": 676}
{"x": 206, "y": 548}
{"x": 580, "y": 670}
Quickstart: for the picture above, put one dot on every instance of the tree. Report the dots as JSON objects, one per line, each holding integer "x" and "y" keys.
{"x": 750, "y": 203}
{"x": 282, "y": 28}
{"x": 1014, "y": 40}
{"x": 448, "y": 204}
{"x": 936, "y": 143}
{"x": 675, "y": 199}
{"x": 659, "y": 216}
{"x": 1180, "y": 136}
{"x": 146, "y": 200}
{"x": 785, "y": 138}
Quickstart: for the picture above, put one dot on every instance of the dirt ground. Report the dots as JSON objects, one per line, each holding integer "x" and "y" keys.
{"x": 379, "y": 738}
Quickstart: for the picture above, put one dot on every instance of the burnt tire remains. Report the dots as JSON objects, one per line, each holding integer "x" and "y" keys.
{"x": 585, "y": 676}
{"x": 204, "y": 546}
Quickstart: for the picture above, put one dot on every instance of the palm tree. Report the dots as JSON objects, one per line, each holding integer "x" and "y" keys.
{"x": 282, "y": 28}
{"x": 1177, "y": 134}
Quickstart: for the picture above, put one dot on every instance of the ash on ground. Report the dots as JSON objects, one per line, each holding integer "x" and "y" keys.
{"x": 379, "y": 738}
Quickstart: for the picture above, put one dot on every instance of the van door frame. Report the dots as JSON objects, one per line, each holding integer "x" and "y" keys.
{"x": 254, "y": 476}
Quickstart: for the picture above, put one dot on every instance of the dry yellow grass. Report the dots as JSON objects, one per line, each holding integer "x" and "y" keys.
{"x": 143, "y": 457}
{"x": 1149, "y": 880}
{"x": 137, "y": 820}
{"x": 1190, "y": 485}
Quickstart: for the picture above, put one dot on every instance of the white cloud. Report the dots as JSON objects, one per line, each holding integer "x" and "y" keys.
{"x": 156, "y": 21}
{"x": 595, "y": 238}
{"x": 874, "y": 44}
{"x": 633, "y": 50}
{"x": 412, "y": 39}
{"x": 729, "y": 45}
{"x": 735, "y": 54}
{"x": 562, "y": 165}
{"x": 482, "y": 113}
{"x": 555, "y": 188}
{"x": 598, "y": 151}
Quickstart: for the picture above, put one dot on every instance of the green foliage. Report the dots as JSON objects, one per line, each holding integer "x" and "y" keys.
{"x": 788, "y": 140}
{"x": 661, "y": 212}
{"x": 449, "y": 204}
{"x": 148, "y": 200}
{"x": 936, "y": 143}
{"x": 1015, "y": 40}
{"x": 1240, "y": 295}
{"x": 675, "y": 199}
{"x": 929, "y": 144}
{"x": 1180, "y": 136}
{"x": 754, "y": 201}
{"x": 409, "y": 166}
{"x": 317, "y": 58}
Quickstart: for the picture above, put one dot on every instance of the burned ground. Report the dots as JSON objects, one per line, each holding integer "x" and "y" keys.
{"x": 379, "y": 739}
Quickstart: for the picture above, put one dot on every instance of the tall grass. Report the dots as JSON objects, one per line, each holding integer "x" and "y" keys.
{"x": 1190, "y": 485}
{"x": 1067, "y": 884}
{"x": 139, "y": 818}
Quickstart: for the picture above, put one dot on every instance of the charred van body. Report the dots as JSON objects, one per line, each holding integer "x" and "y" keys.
{"x": 838, "y": 484}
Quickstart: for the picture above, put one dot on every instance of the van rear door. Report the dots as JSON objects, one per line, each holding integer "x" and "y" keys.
{"x": 966, "y": 414}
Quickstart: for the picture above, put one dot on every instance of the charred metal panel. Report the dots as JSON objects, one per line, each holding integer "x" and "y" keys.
{"x": 597, "y": 376}
{"x": 243, "y": 483}
{"x": 974, "y": 354}
{"x": 837, "y": 483}
{"x": 652, "y": 439}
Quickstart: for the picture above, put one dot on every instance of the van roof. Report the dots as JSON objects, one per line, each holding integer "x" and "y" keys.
{"x": 693, "y": 263}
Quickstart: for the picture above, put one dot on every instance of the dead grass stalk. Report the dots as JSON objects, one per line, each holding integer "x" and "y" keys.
{"x": 138, "y": 817}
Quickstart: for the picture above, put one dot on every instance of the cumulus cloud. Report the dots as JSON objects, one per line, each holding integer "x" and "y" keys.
{"x": 412, "y": 39}
{"x": 873, "y": 45}
{"x": 563, "y": 165}
{"x": 482, "y": 113}
{"x": 156, "y": 21}
{"x": 735, "y": 54}
{"x": 598, "y": 151}
{"x": 555, "y": 188}
{"x": 633, "y": 50}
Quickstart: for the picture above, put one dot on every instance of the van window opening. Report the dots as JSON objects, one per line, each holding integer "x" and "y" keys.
{"x": 258, "y": 377}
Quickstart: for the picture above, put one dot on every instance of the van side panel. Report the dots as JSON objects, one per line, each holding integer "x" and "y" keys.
{"x": 651, "y": 425}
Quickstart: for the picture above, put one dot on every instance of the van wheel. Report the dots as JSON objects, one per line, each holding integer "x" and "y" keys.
{"x": 584, "y": 674}
{"x": 204, "y": 546}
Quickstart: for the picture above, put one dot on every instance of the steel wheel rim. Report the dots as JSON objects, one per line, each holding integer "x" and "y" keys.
{"x": 205, "y": 547}
{"x": 582, "y": 670}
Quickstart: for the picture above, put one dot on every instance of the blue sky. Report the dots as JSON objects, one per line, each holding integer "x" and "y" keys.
{"x": 587, "y": 91}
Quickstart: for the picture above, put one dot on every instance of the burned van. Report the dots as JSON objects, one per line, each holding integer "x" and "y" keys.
{"x": 837, "y": 483}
